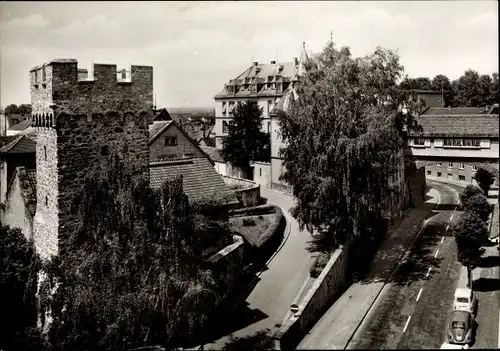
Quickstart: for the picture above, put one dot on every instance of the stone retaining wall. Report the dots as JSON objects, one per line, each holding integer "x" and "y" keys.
{"x": 327, "y": 286}
{"x": 249, "y": 194}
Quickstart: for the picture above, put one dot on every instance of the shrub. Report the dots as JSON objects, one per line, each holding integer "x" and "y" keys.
{"x": 319, "y": 264}
{"x": 247, "y": 222}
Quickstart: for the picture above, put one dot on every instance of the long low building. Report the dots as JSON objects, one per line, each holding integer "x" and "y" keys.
{"x": 453, "y": 145}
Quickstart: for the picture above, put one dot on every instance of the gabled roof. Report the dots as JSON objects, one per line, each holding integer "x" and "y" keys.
{"x": 162, "y": 115}
{"x": 460, "y": 125}
{"x": 200, "y": 180}
{"x": 23, "y": 144}
{"x": 453, "y": 111}
{"x": 213, "y": 153}
{"x": 158, "y": 128}
{"x": 21, "y": 125}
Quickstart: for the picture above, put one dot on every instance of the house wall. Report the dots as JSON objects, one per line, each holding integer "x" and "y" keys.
{"x": 262, "y": 173}
{"x": 16, "y": 213}
{"x": 184, "y": 146}
{"x": 80, "y": 124}
{"x": 431, "y": 100}
{"x": 435, "y": 147}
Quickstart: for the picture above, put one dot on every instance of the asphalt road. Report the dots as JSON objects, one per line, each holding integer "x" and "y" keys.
{"x": 412, "y": 310}
{"x": 277, "y": 285}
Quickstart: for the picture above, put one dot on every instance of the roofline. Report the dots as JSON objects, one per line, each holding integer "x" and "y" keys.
{"x": 172, "y": 122}
{"x": 10, "y": 145}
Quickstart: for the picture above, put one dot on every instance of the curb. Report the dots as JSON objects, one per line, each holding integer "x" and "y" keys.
{"x": 393, "y": 270}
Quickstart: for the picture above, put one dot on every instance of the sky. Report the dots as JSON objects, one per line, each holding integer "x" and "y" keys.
{"x": 196, "y": 47}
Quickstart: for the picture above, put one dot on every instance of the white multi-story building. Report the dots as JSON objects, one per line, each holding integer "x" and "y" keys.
{"x": 266, "y": 84}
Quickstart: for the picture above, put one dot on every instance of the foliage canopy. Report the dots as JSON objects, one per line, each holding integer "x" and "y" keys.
{"x": 344, "y": 138}
{"x": 484, "y": 179}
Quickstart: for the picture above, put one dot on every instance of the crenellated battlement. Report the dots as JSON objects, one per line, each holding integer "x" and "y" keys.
{"x": 104, "y": 87}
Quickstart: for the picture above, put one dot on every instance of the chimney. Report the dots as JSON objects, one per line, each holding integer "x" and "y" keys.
{"x": 255, "y": 63}
{"x": 295, "y": 61}
{"x": 273, "y": 62}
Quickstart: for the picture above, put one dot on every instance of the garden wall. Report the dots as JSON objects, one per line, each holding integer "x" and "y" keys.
{"x": 326, "y": 288}
{"x": 249, "y": 192}
{"x": 229, "y": 261}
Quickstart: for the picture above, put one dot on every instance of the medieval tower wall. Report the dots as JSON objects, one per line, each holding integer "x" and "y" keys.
{"x": 80, "y": 122}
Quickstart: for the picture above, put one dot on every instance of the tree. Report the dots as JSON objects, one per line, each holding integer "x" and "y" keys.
{"x": 480, "y": 205}
{"x": 131, "y": 274}
{"x": 494, "y": 92}
{"x": 11, "y": 109}
{"x": 344, "y": 135}
{"x": 18, "y": 267}
{"x": 420, "y": 83}
{"x": 484, "y": 179}
{"x": 442, "y": 83}
{"x": 470, "y": 233}
{"x": 466, "y": 90}
{"x": 246, "y": 142}
{"x": 24, "y": 109}
{"x": 469, "y": 191}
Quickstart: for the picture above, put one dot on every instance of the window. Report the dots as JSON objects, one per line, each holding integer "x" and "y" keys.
{"x": 473, "y": 168}
{"x": 457, "y": 142}
{"x": 467, "y": 142}
{"x": 223, "y": 107}
{"x": 171, "y": 141}
{"x": 460, "y": 166}
{"x": 476, "y": 142}
{"x": 45, "y": 152}
{"x": 260, "y": 172}
{"x": 439, "y": 174}
{"x": 419, "y": 141}
{"x": 450, "y": 164}
{"x": 461, "y": 177}
{"x": 439, "y": 164}
{"x": 269, "y": 127}
{"x": 225, "y": 126}
{"x": 429, "y": 172}
{"x": 46, "y": 201}
{"x": 450, "y": 176}
{"x": 448, "y": 142}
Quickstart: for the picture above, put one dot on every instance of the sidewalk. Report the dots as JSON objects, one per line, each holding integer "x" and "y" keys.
{"x": 338, "y": 325}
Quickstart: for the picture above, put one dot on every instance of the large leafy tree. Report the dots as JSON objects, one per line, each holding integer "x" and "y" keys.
{"x": 420, "y": 83}
{"x": 18, "y": 271}
{"x": 344, "y": 137}
{"x": 484, "y": 179}
{"x": 23, "y": 109}
{"x": 442, "y": 83}
{"x": 470, "y": 233}
{"x": 132, "y": 274}
{"x": 469, "y": 191}
{"x": 466, "y": 90}
{"x": 480, "y": 205}
{"x": 246, "y": 142}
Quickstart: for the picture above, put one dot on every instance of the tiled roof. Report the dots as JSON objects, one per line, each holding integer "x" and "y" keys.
{"x": 200, "y": 179}
{"x": 460, "y": 125}
{"x": 213, "y": 153}
{"x": 156, "y": 129}
{"x": 455, "y": 111}
{"x": 23, "y": 144}
{"x": 162, "y": 115}
{"x": 21, "y": 125}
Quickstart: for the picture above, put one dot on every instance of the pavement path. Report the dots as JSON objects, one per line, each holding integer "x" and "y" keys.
{"x": 279, "y": 282}
{"x": 337, "y": 326}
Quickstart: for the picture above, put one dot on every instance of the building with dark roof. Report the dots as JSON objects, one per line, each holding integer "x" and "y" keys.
{"x": 200, "y": 180}
{"x": 454, "y": 145}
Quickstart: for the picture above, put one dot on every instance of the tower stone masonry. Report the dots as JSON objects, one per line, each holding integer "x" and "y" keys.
{"x": 80, "y": 122}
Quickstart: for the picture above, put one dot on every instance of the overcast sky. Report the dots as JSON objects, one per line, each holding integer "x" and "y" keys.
{"x": 195, "y": 47}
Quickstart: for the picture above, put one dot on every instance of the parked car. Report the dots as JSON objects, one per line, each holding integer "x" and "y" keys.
{"x": 465, "y": 300}
{"x": 461, "y": 327}
{"x": 447, "y": 346}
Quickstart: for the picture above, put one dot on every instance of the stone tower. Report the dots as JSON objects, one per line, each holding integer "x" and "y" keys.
{"x": 80, "y": 121}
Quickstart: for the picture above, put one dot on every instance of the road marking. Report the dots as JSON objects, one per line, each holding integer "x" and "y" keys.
{"x": 451, "y": 218}
{"x": 419, "y": 293}
{"x": 435, "y": 255}
{"x": 428, "y": 272}
{"x": 442, "y": 239}
{"x": 406, "y": 325}
{"x": 447, "y": 227}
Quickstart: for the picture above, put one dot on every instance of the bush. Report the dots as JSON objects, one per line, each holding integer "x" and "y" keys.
{"x": 247, "y": 222}
{"x": 480, "y": 205}
{"x": 319, "y": 264}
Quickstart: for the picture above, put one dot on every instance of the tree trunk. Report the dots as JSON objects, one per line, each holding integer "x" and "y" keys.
{"x": 469, "y": 277}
